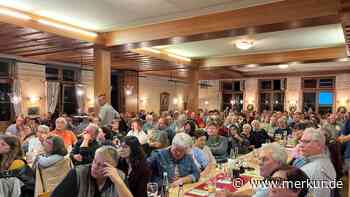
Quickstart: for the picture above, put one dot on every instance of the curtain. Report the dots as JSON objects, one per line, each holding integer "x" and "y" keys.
{"x": 16, "y": 97}
{"x": 53, "y": 89}
{"x": 80, "y": 91}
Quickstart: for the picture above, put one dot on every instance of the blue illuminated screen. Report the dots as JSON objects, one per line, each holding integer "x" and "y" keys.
{"x": 326, "y": 98}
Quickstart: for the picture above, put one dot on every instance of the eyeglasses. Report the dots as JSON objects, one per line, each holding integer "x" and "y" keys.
{"x": 122, "y": 145}
{"x": 305, "y": 141}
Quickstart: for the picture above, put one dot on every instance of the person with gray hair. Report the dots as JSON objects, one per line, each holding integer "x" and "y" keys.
{"x": 101, "y": 178}
{"x": 68, "y": 136}
{"x": 84, "y": 150}
{"x": 35, "y": 145}
{"x": 271, "y": 158}
{"x": 176, "y": 161}
{"x": 317, "y": 165}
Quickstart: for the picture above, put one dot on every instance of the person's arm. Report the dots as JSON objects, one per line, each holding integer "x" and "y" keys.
{"x": 345, "y": 134}
{"x": 48, "y": 161}
{"x": 75, "y": 153}
{"x": 88, "y": 153}
{"x": 112, "y": 173}
{"x": 68, "y": 186}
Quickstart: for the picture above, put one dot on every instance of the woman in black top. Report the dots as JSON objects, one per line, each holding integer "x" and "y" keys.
{"x": 133, "y": 164}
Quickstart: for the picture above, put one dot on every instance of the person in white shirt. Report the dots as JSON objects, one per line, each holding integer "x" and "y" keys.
{"x": 137, "y": 131}
{"x": 35, "y": 145}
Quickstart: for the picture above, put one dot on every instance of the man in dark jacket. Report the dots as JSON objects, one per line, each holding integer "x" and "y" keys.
{"x": 84, "y": 150}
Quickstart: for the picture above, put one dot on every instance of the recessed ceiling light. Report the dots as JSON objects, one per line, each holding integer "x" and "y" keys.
{"x": 179, "y": 57}
{"x": 283, "y": 66}
{"x": 151, "y": 50}
{"x": 244, "y": 44}
{"x": 16, "y": 5}
{"x": 251, "y": 65}
{"x": 343, "y": 59}
{"x": 295, "y": 63}
{"x": 14, "y": 14}
{"x": 66, "y": 27}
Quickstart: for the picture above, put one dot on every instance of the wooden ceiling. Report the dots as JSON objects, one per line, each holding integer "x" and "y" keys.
{"x": 31, "y": 43}
{"x": 28, "y": 41}
{"x": 345, "y": 18}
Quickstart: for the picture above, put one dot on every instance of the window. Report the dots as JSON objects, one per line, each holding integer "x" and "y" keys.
{"x": 271, "y": 94}
{"x": 227, "y": 86}
{"x": 232, "y": 97}
{"x": 68, "y": 75}
{"x": 52, "y": 74}
{"x": 5, "y": 104}
{"x": 70, "y": 105}
{"x": 68, "y": 78}
{"x": 319, "y": 94}
{"x": 6, "y": 113}
{"x": 4, "y": 69}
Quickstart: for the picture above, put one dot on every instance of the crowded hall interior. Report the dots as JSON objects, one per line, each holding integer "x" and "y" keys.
{"x": 174, "y": 98}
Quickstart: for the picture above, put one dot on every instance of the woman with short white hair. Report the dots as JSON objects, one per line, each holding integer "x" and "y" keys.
{"x": 176, "y": 161}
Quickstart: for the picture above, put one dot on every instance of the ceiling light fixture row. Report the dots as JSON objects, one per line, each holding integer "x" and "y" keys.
{"x": 244, "y": 44}
{"x": 281, "y": 66}
{"x": 23, "y": 16}
{"x": 166, "y": 53}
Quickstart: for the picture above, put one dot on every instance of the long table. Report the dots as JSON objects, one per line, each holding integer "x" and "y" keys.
{"x": 200, "y": 188}
{"x": 250, "y": 158}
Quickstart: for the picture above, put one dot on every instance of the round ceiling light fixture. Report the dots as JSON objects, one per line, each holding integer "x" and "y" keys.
{"x": 244, "y": 44}
{"x": 283, "y": 66}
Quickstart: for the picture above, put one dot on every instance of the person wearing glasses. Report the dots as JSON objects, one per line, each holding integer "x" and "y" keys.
{"x": 133, "y": 164}
{"x": 317, "y": 165}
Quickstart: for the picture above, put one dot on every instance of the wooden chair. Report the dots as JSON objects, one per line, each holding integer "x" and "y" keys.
{"x": 47, "y": 179}
{"x": 45, "y": 194}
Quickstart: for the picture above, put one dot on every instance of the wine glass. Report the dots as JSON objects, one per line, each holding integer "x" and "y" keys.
{"x": 152, "y": 189}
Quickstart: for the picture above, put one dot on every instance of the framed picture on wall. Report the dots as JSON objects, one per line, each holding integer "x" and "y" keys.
{"x": 164, "y": 101}
{"x": 33, "y": 111}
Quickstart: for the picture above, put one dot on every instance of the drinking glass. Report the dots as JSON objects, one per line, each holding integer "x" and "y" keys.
{"x": 212, "y": 187}
{"x": 152, "y": 189}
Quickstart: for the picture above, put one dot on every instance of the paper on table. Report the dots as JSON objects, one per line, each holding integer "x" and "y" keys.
{"x": 199, "y": 192}
{"x": 225, "y": 181}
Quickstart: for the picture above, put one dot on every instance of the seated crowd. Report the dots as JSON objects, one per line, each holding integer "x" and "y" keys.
{"x": 119, "y": 156}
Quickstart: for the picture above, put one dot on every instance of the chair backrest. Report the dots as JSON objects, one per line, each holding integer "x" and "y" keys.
{"x": 50, "y": 177}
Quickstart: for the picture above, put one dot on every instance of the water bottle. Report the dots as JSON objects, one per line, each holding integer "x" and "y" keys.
{"x": 165, "y": 186}
{"x": 181, "y": 190}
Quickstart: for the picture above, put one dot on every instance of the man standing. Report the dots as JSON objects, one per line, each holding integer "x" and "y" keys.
{"x": 107, "y": 113}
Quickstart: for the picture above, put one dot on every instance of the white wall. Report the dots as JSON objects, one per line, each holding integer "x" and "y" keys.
{"x": 150, "y": 88}
{"x": 32, "y": 78}
{"x": 210, "y": 98}
{"x": 250, "y": 93}
{"x": 293, "y": 93}
{"x": 87, "y": 78}
{"x": 343, "y": 90}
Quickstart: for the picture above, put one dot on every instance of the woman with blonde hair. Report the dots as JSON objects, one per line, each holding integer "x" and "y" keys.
{"x": 101, "y": 178}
